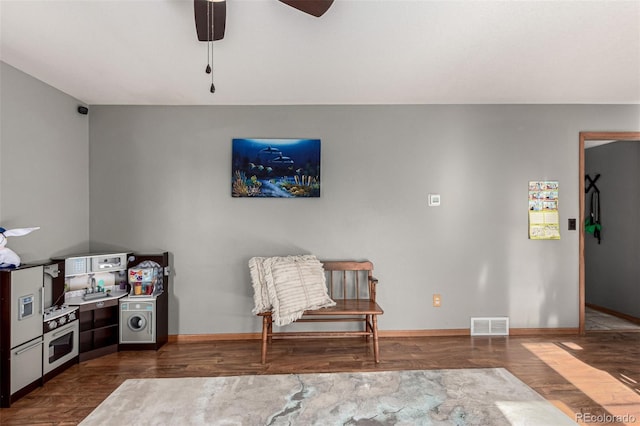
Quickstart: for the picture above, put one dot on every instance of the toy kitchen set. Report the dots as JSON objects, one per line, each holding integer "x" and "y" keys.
{"x": 122, "y": 300}
{"x": 77, "y": 308}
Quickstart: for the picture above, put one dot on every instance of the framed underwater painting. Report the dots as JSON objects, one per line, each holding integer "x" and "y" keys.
{"x": 275, "y": 168}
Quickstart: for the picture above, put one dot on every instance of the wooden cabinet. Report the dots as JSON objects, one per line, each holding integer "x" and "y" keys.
{"x": 99, "y": 323}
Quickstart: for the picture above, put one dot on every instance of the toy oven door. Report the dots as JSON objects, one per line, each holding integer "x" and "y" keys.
{"x": 60, "y": 346}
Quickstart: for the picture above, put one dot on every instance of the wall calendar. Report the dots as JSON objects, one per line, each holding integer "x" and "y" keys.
{"x": 544, "y": 220}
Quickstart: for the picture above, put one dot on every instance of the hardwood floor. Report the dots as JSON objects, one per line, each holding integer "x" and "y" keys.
{"x": 593, "y": 375}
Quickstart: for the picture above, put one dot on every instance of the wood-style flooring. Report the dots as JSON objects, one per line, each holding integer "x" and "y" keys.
{"x": 585, "y": 376}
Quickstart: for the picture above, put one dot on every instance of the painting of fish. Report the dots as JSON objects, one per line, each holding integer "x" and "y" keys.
{"x": 275, "y": 168}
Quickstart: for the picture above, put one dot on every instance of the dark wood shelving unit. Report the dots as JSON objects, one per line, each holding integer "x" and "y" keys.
{"x": 99, "y": 322}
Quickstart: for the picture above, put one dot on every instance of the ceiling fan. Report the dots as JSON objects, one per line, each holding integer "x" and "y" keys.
{"x": 208, "y": 12}
{"x": 211, "y": 18}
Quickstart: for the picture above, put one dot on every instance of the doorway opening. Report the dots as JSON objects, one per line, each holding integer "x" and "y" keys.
{"x": 587, "y": 138}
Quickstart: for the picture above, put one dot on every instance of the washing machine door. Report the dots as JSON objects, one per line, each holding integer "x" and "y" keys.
{"x": 137, "y": 322}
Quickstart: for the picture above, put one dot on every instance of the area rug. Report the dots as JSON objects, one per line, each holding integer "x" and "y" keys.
{"x": 419, "y": 397}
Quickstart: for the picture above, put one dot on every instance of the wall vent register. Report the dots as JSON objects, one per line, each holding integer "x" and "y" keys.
{"x": 490, "y": 326}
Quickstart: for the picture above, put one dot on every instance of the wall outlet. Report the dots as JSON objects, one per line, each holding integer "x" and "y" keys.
{"x": 437, "y": 300}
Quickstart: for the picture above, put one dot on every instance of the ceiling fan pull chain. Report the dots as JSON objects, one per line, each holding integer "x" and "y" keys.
{"x": 208, "y": 69}
{"x": 212, "y": 89}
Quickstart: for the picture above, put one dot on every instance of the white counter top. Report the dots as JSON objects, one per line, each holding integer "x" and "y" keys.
{"x": 78, "y": 300}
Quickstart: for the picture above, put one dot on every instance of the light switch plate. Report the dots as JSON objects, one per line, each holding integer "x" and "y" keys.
{"x": 434, "y": 200}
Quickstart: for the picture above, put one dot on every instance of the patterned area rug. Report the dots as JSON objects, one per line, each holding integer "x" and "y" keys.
{"x": 420, "y": 397}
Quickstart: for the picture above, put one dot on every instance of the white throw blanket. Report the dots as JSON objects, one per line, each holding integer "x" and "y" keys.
{"x": 288, "y": 286}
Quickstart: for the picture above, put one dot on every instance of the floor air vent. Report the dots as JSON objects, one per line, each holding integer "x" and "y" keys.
{"x": 493, "y": 326}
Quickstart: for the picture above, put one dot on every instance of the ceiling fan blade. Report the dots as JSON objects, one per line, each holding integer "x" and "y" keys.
{"x": 219, "y": 19}
{"x": 316, "y": 8}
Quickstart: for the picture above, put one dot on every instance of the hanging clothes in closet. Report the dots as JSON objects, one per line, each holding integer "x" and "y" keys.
{"x": 592, "y": 223}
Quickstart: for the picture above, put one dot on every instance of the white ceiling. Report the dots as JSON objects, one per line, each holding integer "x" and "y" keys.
{"x": 359, "y": 52}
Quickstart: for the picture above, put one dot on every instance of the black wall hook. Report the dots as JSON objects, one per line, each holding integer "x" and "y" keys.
{"x": 592, "y": 183}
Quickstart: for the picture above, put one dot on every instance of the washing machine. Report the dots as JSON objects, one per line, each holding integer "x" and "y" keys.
{"x": 137, "y": 320}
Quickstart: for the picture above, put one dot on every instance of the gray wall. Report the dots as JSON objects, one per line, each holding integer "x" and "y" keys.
{"x": 160, "y": 179}
{"x": 44, "y": 167}
{"x": 612, "y": 267}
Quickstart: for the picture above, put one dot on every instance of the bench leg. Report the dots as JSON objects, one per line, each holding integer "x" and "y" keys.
{"x": 376, "y": 350}
{"x": 265, "y": 326}
{"x": 367, "y": 327}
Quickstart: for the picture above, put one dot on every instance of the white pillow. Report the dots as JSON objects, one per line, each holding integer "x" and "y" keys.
{"x": 260, "y": 293}
{"x": 294, "y": 284}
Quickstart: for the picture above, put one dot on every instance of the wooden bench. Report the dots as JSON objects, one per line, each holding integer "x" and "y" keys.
{"x": 352, "y": 286}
